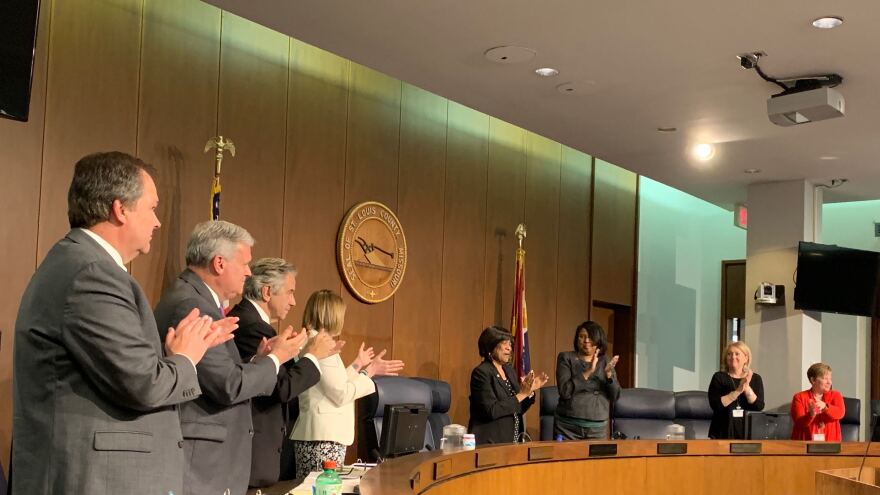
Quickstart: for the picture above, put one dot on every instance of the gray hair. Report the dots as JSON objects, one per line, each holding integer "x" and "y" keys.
{"x": 100, "y": 179}
{"x": 271, "y": 272}
{"x": 215, "y": 238}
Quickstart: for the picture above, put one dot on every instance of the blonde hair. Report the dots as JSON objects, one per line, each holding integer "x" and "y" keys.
{"x": 741, "y": 347}
{"x": 818, "y": 370}
{"x": 325, "y": 309}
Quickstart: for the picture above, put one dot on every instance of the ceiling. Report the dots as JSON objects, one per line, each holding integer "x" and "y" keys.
{"x": 645, "y": 65}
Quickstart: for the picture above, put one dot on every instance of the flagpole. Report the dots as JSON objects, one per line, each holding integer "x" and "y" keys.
{"x": 221, "y": 145}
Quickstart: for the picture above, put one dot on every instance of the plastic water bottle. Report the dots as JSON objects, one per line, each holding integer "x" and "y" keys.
{"x": 328, "y": 482}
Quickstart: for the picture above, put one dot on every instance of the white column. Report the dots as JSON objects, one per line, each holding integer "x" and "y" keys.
{"x": 784, "y": 341}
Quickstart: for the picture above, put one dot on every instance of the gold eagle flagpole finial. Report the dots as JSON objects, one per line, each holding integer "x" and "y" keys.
{"x": 221, "y": 145}
{"x": 520, "y": 234}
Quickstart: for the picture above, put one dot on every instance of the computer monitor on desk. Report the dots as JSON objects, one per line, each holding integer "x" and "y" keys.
{"x": 403, "y": 429}
{"x": 768, "y": 426}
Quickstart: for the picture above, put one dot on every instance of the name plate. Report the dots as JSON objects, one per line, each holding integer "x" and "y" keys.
{"x": 487, "y": 458}
{"x": 745, "y": 448}
{"x": 415, "y": 483}
{"x": 672, "y": 448}
{"x": 823, "y": 448}
{"x": 602, "y": 449}
{"x": 540, "y": 453}
{"x": 442, "y": 469}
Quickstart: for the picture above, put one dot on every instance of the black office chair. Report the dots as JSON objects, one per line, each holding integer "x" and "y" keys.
{"x": 852, "y": 420}
{"x": 549, "y": 400}
{"x": 441, "y": 400}
{"x": 391, "y": 390}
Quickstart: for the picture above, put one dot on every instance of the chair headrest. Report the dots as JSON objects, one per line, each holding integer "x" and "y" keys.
{"x": 549, "y": 400}
{"x": 396, "y": 390}
{"x": 692, "y": 404}
{"x": 645, "y": 403}
{"x": 441, "y": 394}
{"x": 853, "y": 413}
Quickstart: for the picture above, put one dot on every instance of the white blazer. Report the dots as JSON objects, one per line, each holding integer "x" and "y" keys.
{"x": 326, "y": 411}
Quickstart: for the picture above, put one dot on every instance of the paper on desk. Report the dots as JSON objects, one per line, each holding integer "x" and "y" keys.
{"x": 350, "y": 481}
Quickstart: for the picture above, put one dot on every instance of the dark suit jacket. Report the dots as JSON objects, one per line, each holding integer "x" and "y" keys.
{"x": 492, "y": 409}
{"x": 270, "y": 414}
{"x": 217, "y": 427}
{"x": 93, "y": 394}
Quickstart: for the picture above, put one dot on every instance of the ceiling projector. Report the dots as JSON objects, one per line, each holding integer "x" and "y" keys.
{"x": 805, "y": 106}
{"x": 803, "y": 99}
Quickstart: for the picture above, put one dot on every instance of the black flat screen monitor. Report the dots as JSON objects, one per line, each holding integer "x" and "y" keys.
{"x": 768, "y": 426}
{"x": 18, "y": 34}
{"x": 835, "y": 279}
{"x": 403, "y": 429}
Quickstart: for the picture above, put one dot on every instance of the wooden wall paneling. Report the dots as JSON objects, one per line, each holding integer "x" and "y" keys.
{"x": 542, "y": 247}
{"x": 91, "y": 100}
{"x": 778, "y": 471}
{"x": 252, "y": 111}
{"x": 371, "y": 174}
{"x": 464, "y": 252}
{"x": 315, "y": 175}
{"x": 177, "y": 114}
{"x": 721, "y": 477}
{"x": 573, "y": 281}
{"x": 613, "y": 250}
{"x": 21, "y": 153}
{"x": 420, "y": 199}
{"x": 669, "y": 475}
{"x": 505, "y": 203}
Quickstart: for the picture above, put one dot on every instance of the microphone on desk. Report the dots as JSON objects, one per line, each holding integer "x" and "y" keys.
{"x": 870, "y": 439}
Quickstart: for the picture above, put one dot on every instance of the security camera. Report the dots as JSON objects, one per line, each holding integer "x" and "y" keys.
{"x": 748, "y": 60}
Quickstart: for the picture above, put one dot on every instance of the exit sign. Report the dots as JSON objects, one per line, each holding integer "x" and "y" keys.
{"x": 741, "y": 216}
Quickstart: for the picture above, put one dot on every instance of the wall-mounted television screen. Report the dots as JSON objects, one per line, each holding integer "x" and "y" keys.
{"x": 18, "y": 34}
{"x": 835, "y": 279}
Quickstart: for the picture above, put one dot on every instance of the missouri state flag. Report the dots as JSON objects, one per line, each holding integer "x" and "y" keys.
{"x": 522, "y": 362}
{"x": 215, "y": 198}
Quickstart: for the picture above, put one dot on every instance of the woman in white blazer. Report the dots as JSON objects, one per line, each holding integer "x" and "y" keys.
{"x": 325, "y": 426}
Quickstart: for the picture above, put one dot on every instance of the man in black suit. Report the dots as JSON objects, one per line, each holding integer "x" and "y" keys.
{"x": 217, "y": 427}
{"x": 268, "y": 297}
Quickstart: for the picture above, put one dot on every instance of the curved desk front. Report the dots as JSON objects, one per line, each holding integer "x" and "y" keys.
{"x": 626, "y": 467}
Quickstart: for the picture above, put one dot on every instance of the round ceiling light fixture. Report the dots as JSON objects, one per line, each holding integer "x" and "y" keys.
{"x": 667, "y": 129}
{"x": 704, "y": 152}
{"x": 547, "y": 72}
{"x": 829, "y": 22}
{"x": 752, "y": 170}
{"x": 510, "y": 54}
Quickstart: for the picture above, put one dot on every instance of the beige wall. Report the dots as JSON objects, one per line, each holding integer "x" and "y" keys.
{"x": 315, "y": 134}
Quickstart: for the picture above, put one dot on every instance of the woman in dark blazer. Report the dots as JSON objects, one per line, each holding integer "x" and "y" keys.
{"x": 587, "y": 386}
{"x": 498, "y": 399}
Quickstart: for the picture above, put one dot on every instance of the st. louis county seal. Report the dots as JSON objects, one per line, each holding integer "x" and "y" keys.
{"x": 371, "y": 252}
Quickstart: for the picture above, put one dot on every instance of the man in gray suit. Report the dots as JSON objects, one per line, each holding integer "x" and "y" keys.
{"x": 93, "y": 390}
{"x": 217, "y": 427}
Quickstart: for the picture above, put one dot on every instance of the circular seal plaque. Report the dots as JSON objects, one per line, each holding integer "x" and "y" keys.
{"x": 371, "y": 252}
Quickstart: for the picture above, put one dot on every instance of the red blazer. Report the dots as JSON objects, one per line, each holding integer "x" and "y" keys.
{"x": 828, "y": 421}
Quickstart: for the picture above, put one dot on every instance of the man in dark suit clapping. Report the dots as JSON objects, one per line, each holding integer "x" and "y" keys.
{"x": 93, "y": 389}
{"x": 217, "y": 427}
{"x": 268, "y": 297}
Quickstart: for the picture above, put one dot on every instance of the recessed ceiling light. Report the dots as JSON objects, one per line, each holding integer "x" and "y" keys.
{"x": 830, "y": 22}
{"x": 576, "y": 87}
{"x": 509, "y": 54}
{"x": 547, "y": 72}
{"x": 704, "y": 152}
{"x": 667, "y": 129}
{"x": 752, "y": 170}
{"x": 828, "y": 157}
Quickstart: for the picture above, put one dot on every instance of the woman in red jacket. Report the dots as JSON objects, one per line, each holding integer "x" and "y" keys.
{"x": 816, "y": 412}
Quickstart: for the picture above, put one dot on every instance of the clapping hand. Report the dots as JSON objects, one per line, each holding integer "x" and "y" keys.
{"x": 609, "y": 367}
{"x": 364, "y": 358}
{"x": 221, "y": 330}
{"x": 381, "y": 366}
